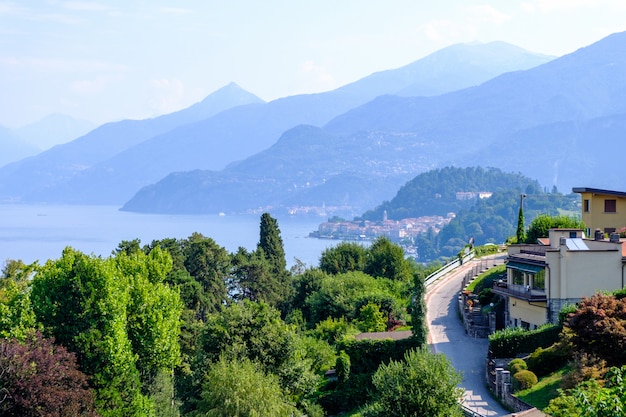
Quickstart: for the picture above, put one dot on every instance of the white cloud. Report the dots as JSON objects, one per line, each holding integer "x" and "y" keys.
{"x": 168, "y": 95}
{"x": 317, "y": 76}
{"x": 489, "y": 14}
{"x": 59, "y": 64}
{"x": 441, "y": 30}
{"x": 174, "y": 10}
{"x": 7, "y": 8}
{"x": 547, "y": 6}
{"x": 86, "y": 6}
{"x": 86, "y": 87}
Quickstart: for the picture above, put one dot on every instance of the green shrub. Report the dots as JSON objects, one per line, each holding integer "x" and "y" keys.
{"x": 545, "y": 361}
{"x": 524, "y": 379}
{"x": 342, "y": 366}
{"x": 517, "y": 365}
{"x": 565, "y": 311}
{"x": 514, "y": 341}
{"x": 366, "y": 355}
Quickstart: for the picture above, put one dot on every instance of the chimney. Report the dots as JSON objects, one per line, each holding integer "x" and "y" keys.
{"x": 598, "y": 235}
{"x": 563, "y": 241}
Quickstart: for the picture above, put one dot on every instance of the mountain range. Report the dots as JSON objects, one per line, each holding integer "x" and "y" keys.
{"x": 111, "y": 163}
{"x": 560, "y": 122}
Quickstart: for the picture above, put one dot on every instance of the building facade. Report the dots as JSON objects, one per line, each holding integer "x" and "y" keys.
{"x": 542, "y": 278}
{"x": 603, "y": 210}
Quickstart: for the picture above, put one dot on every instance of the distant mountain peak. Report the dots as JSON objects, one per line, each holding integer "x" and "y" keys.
{"x": 233, "y": 93}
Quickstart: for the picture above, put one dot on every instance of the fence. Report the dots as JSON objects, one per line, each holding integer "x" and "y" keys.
{"x": 447, "y": 268}
{"x": 468, "y": 412}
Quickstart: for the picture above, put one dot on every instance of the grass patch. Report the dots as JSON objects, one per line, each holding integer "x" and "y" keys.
{"x": 485, "y": 280}
{"x": 545, "y": 390}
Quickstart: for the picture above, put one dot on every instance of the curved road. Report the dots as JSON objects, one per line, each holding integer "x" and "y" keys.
{"x": 447, "y": 335}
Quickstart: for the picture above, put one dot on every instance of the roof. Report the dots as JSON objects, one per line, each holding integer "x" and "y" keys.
{"x": 545, "y": 241}
{"x": 598, "y": 191}
{"x": 533, "y": 269}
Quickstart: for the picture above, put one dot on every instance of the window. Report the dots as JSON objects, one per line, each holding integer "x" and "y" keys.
{"x": 518, "y": 277}
{"x": 539, "y": 280}
{"x": 609, "y": 230}
{"x": 610, "y": 206}
{"x": 572, "y": 235}
{"x": 586, "y": 205}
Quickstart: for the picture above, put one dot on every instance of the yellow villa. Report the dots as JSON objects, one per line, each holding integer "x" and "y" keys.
{"x": 603, "y": 210}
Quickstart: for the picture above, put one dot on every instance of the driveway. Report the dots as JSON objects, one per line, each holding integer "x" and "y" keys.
{"x": 447, "y": 335}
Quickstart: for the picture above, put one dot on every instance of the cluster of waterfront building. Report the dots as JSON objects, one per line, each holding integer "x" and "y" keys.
{"x": 404, "y": 230}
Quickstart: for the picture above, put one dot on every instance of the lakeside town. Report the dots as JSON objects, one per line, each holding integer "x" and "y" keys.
{"x": 400, "y": 231}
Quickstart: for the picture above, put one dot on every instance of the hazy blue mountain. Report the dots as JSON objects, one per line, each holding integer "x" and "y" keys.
{"x": 510, "y": 121}
{"x": 13, "y": 148}
{"x": 450, "y": 69}
{"x": 212, "y": 143}
{"x": 55, "y": 167}
{"x": 53, "y": 130}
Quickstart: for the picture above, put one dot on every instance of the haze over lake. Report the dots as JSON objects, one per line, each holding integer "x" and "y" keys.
{"x": 40, "y": 232}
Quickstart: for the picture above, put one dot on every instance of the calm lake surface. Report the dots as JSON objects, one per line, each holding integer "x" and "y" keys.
{"x": 40, "y": 232}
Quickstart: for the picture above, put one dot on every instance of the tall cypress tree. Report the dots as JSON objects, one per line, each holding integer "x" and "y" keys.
{"x": 418, "y": 310}
{"x": 520, "y": 233}
{"x": 271, "y": 244}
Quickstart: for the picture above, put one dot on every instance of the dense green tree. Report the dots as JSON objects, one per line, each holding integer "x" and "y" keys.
{"x": 118, "y": 316}
{"x": 386, "y": 260}
{"x": 423, "y": 384}
{"x": 128, "y": 247}
{"x": 342, "y": 296}
{"x": 16, "y": 315}
{"x": 239, "y": 387}
{"x": 270, "y": 247}
{"x": 371, "y": 319}
{"x": 174, "y": 247}
{"x": 41, "y": 379}
{"x": 418, "y": 310}
{"x": 344, "y": 257}
{"x": 304, "y": 285}
{"x": 209, "y": 264}
{"x": 81, "y": 301}
{"x": 520, "y": 233}
{"x": 253, "y": 279}
{"x": 271, "y": 244}
{"x": 255, "y": 331}
{"x": 593, "y": 399}
{"x": 541, "y": 225}
{"x": 153, "y": 312}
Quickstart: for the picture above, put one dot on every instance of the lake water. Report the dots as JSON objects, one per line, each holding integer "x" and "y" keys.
{"x": 40, "y": 232}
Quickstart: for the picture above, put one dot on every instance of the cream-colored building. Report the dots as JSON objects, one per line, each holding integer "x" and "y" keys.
{"x": 542, "y": 278}
{"x": 603, "y": 210}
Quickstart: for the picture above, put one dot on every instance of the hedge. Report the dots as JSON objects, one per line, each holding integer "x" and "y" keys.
{"x": 514, "y": 341}
{"x": 366, "y": 355}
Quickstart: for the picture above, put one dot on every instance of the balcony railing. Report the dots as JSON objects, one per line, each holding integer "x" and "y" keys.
{"x": 519, "y": 291}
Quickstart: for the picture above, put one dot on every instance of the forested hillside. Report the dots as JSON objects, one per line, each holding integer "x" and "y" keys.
{"x": 490, "y": 219}
{"x": 435, "y": 192}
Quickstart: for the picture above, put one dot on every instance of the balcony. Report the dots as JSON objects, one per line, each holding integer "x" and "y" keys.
{"x": 518, "y": 291}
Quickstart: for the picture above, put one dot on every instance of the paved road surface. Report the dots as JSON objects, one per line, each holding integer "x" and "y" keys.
{"x": 447, "y": 335}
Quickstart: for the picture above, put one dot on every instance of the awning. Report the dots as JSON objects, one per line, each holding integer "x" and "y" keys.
{"x": 532, "y": 269}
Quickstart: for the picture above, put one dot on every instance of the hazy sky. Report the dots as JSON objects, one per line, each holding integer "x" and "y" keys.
{"x": 110, "y": 60}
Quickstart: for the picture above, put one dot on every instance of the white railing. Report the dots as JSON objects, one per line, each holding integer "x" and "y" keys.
{"x": 447, "y": 268}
